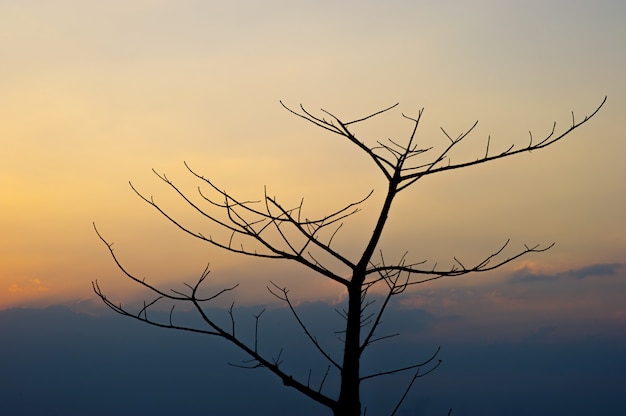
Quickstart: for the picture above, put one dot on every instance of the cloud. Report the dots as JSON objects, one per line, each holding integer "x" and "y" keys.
{"x": 528, "y": 275}
{"x": 542, "y": 333}
{"x": 607, "y": 269}
{"x": 31, "y": 285}
{"x": 170, "y": 372}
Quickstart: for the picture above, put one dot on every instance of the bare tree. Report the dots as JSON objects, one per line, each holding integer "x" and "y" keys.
{"x": 269, "y": 229}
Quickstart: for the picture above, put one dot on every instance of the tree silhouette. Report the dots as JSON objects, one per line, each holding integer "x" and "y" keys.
{"x": 269, "y": 229}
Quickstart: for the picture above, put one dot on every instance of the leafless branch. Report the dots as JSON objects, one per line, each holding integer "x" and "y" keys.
{"x": 408, "y": 388}
{"x": 266, "y": 228}
{"x": 547, "y": 141}
{"x": 483, "y": 266}
{"x": 410, "y": 367}
{"x": 342, "y": 129}
{"x": 272, "y": 365}
{"x": 282, "y": 294}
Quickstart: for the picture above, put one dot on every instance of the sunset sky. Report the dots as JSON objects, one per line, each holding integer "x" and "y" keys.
{"x": 96, "y": 94}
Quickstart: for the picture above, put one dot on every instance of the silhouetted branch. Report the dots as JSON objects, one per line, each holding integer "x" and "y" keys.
{"x": 342, "y": 129}
{"x": 391, "y": 278}
{"x": 256, "y": 330}
{"x": 282, "y": 294}
{"x": 547, "y": 141}
{"x": 408, "y": 388}
{"x": 268, "y": 229}
{"x": 272, "y": 365}
{"x": 324, "y": 379}
{"x": 454, "y": 271}
{"x": 410, "y": 367}
{"x": 239, "y": 226}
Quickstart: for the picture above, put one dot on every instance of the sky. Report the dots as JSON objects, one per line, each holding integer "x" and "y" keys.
{"x": 114, "y": 366}
{"x": 97, "y": 94}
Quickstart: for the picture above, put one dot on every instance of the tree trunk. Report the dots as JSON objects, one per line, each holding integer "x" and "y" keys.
{"x": 349, "y": 403}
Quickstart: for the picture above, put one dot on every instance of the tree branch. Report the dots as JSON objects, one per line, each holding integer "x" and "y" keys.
{"x": 547, "y": 141}
{"x": 410, "y": 367}
{"x": 283, "y": 295}
{"x": 482, "y": 266}
{"x": 272, "y": 365}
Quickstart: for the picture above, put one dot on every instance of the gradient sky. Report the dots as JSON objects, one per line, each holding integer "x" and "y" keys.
{"x": 94, "y": 94}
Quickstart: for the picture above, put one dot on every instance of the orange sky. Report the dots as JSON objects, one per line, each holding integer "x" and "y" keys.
{"x": 94, "y": 94}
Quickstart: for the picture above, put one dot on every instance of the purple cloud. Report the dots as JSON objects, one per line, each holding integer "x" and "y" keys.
{"x": 526, "y": 275}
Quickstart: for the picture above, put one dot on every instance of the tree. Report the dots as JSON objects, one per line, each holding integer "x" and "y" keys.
{"x": 268, "y": 229}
